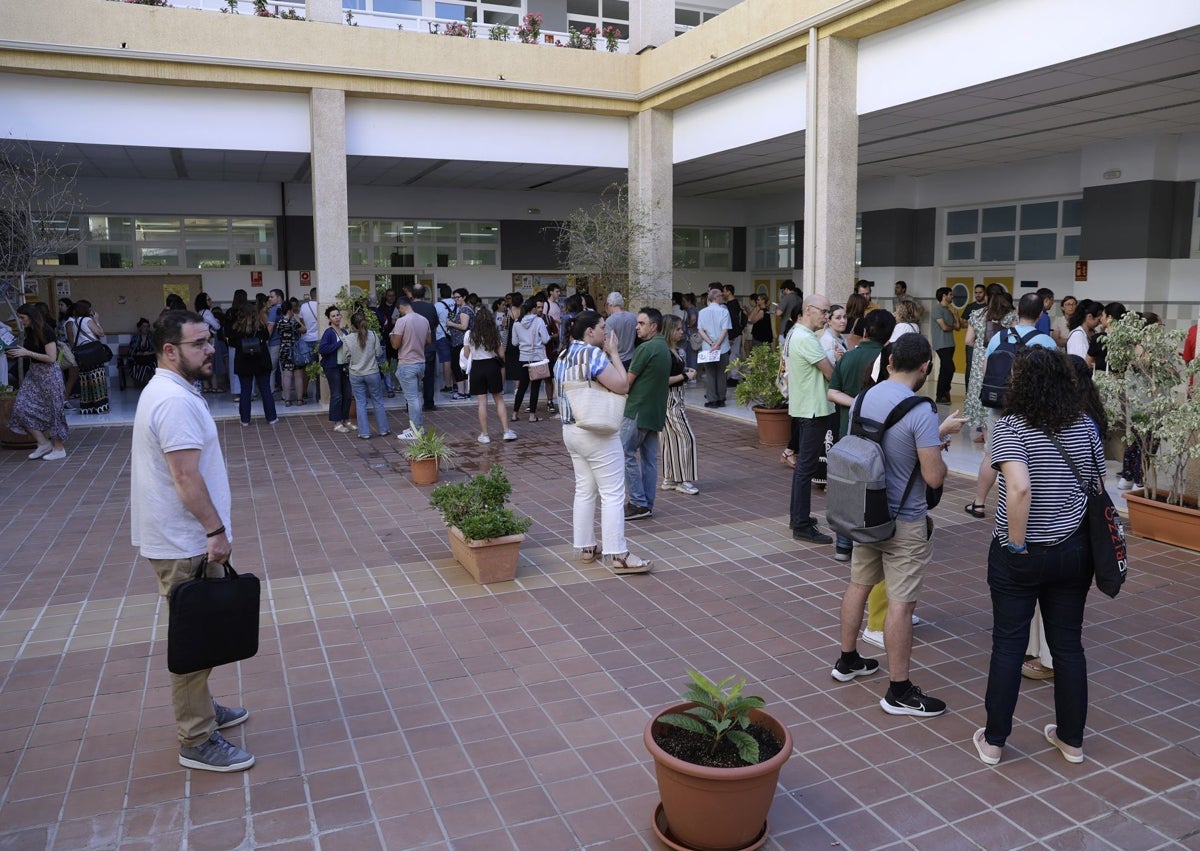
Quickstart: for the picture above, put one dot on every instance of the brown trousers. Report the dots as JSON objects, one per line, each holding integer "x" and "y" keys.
{"x": 195, "y": 715}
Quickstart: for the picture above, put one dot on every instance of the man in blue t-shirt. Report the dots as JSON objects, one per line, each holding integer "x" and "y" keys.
{"x": 916, "y": 441}
{"x": 274, "y": 308}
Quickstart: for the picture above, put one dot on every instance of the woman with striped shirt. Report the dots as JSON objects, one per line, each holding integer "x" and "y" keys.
{"x": 1040, "y": 552}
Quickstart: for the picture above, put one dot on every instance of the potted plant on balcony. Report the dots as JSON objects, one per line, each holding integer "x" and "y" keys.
{"x": 426, "y": 453}
{"x": 484, "y": 535}
{"x": 757, "y": 388}
{"x": 717, "y": 757}
{"x": 1152, "y": 406}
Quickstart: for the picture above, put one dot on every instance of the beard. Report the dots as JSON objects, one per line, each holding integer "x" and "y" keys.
{"x": 197, "y": 372}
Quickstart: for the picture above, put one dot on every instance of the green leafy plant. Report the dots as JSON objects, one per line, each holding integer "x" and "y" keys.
{"x": 1147, "y": 399}
{"x": 313, "y": 370}
{"x": 461, "y": 29}
{"x": 530, "y": 30}
{"x": 476, "y": 507}
{"x": 498, "y": 32}
{"x": 757, "y": 387}
{"x": 612, "y": 35}
{"x": 721, "y": 712}
{"x": 429, "y": 443}
{"x": 7, "y": 390}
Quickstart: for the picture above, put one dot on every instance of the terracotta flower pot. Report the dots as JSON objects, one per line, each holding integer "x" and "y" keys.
{"x": 1172, "y": 524}
{"x": 493, "y": 560}
{"x": 774, "y": 426}
{"x": 8, "y": 437}
{"x": 424, "y": 470}
{"x": 715, "y": 809}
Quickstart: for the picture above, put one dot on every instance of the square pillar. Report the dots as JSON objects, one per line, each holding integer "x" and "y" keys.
{"x": 651, "y": 196}
{"x": 331, "y": 240}
{"x": 831, "y": 166}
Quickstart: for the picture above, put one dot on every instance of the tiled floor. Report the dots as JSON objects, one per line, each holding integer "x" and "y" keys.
{"x": 395, "y": 704}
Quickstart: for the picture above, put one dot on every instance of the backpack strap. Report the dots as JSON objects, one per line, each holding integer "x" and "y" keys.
{"x": 898, "y": 413}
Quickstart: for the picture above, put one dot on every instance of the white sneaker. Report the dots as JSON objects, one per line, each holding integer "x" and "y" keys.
{"x": 340, "y": 428}
{"x": 688, "y": 488}
{"x": 43, "y": 449}
{"x": 1124, "y": 485}
{"x": 916, "y": 620}
{"x": 56, "y": 455}
{"x": 407, "y": 434}
{"x": 510, "y": 435}
{"x": 872, "y": 636}
{"x": 483, "y": 438}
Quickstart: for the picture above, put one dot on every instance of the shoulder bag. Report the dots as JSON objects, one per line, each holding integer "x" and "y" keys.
{"x": 91, "y": 354}
{"x": 594, "y": 407}
{"x": 212, "y": 621}
{"x": 1105, "y": 533}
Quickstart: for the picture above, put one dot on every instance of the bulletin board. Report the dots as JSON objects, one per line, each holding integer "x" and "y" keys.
{"x": 120, "y": 300}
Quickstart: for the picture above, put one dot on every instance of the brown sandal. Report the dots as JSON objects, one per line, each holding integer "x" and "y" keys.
{"x": 587, "y": 555}
{"x": 788, "y": 457}
{"x": 626, "y": 563}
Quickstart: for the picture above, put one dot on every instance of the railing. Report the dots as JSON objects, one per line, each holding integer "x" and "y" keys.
{"x": 388, "y": 21}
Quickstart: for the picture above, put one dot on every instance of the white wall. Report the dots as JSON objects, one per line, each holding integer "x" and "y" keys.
{"x": 764, "y": 109}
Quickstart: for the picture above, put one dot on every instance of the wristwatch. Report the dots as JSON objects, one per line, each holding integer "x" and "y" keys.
{"x": 1021, "y": 549}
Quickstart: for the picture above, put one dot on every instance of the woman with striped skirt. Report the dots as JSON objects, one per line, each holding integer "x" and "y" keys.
{"x": 677, "y": 442}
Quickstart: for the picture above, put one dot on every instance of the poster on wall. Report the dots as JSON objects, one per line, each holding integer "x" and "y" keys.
{"x": 62, "y": 287}
{"x": 32, "y": 291}
{"x": 181, "y": 290}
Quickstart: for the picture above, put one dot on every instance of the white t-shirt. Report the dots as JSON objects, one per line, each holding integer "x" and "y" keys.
{"x": 171, "y": 416}
{"x": 1078, "y": 342}
{"x": 312, "y": 325}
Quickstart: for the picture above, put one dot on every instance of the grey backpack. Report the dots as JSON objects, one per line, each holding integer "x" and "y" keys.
{"x": 856, "y": 496}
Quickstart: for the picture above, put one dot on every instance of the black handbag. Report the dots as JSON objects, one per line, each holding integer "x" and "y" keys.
{"x": 92, "y": 354}
{"x": 1105, "y": 532}
{"x": 213, "y": 621}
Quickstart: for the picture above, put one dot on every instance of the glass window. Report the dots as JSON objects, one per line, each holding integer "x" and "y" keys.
{"x": 685, "y": 258}
{"x": 996, "y": 249}
{"x": 479, "y": 257}
{"x": 616, "y": 9}
{"x": 158, "y": 256}
{"x": 112, "y": 255}
{"x": 206, "y": 226}
{"x": 1039, "y": 246}
{"x": 717, "y": 260}
{"x": 583, "y": 7}
{"x": 250, "y": 255}
{"x": 451, "y": 11}
{"x": 148, "y": 228}
{"x": 687, "y": 237}
{"x": 476, "y": 232}
{"x": 504, "y": 18}
{"x": 103, "y": 228}
{"x": 1039, "y": 216}
{"x": 208, "y": 258}
{"x": 961, "y": 251}
{"x": 1072, "y": 212}
{"x": 687, "y": 18}
{"x": 717, "y": 238}
{"x": 1071, "y": 245}
{"x": 962, "y": 222}
{"x": 360, "y": 255}
{"x": 395, "y": 7}
{"x": 999, "y": 219}
{"x": 254, "y": 230}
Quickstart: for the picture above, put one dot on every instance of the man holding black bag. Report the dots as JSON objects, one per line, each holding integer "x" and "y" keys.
{"x": 180, "y": 512}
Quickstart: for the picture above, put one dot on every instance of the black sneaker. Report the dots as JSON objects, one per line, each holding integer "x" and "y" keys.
{"x": 637, "y": 512}
{"x": 842, "y": 555}
{"x": 216, "y": 754}
{"x": 912, "y": 702}
{"x": 844, "y": 673}
{"x": 229, "y": 716}
{"x": 811, "y": 534}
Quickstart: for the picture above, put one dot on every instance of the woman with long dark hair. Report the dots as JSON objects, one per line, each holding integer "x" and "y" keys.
{"x": 856, "y": 311}
{"x": 679, "y": 457}
{"x": 204, "y": 306}
{"x": 363, "y": 351}
{"x": 38, "y": 409}
{"x": 530, "y": 335}
{"x": 65, "y": 329}
{"x": 93, "y": 383}
{"x": 1082, "y": 325}
{"x": 484, "y": 350}
{"x": 333, "y": 362}
{"x": 248, "y": 338}
{"x": 598, "y": 459}
{"x": 1040, "y": 553}
{"x": 981, "y": 325}
{"x": 291, "y": 329}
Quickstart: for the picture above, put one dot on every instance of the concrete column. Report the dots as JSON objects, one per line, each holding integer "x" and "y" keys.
{"x": 831, "y": 166}
{"x": 324, "y": 11}
{"x": 327, "y": 122}
{"x": 651, "y": 195}
{"x": 651, "y": 24}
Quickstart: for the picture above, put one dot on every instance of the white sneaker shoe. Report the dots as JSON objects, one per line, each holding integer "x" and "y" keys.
{"x": 483, "y": 438}
{"x": 872, "y": 636}
{"x": 56, "y": 455}
{"x": 1124, "y": 485}
{"x": 688, "y": 488}
{"x": 407, "y": 434}
{"x": 340, "y": 428}
{"x": 510, "y": 435}
{"x": 43, "y": 449}
{"x": 916, "y": 620}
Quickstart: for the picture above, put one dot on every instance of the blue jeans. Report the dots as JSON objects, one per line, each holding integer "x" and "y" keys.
{"x": 640, "y": 480}
{"x": 810, "y": 443}
{"x": 409, "y": 377}
{"x": 369, "y": 385}
{"x": 339, "y": 393}
{"x": 263, "y": 382}
{"x": 430, "y": 376}
{"x": 1058, "y": 578}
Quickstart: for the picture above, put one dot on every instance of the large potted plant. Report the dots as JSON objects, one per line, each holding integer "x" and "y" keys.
{"x": 717, "y": 757}
{"x": 426, "y": 453}
{"x": 1151, "y": 405}
{"x": 757, "y": 389}
{"x": 484, "y": 534}
{"x": 8, "y": 437}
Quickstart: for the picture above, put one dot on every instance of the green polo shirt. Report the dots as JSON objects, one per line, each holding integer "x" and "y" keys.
{"x": 849, "y": 373}
{"x": 807, "y": 386}
{"x": 647, "y": 402}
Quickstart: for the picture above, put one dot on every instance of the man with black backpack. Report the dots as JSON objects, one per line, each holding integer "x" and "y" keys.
{"x": 912, "y": 452}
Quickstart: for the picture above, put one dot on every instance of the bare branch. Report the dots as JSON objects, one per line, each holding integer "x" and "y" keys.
{"x": 38, "y": 200}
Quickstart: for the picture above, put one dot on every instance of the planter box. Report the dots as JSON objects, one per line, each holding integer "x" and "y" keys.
{"x": 493, "y": 560}
{"x": 8, "y": 437}
{"x": 774, "y": 426}
{"x": 1170, "y": 524}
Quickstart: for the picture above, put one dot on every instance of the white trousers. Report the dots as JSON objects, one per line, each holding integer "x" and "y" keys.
{"x": 599, "y": 465}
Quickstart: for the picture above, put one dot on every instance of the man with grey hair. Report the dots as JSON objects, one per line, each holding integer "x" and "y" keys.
{"x": 714, "y": 324}
{"x": 808, "y": 403}
{"x": 622, "y": 323}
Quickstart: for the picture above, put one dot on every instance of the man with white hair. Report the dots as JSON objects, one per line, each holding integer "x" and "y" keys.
{"x": 714, "y": 324}
{"x": 622, "y": 323}
{"x": 808, "y": 403}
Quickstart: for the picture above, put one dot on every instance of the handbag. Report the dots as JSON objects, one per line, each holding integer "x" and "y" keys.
{"x": 213, "y": 621}
{"x": 594, "y": 407}
{"x": 251, "y": 346}
{"x": 91, "y": 355}
{"x": 302, "y": 352}
{"x": 695, "y": 341}
{"x": 538, "y": 370}
{"x": 1105, "y": 532}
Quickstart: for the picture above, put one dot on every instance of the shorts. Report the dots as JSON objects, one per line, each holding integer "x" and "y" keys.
{"x": 455, "y": 369}
{"x": 487, "y": 376}
{"x": 900, "y": 561}
{"x": 442, "y": 347}
{"x": 989, "y": 424}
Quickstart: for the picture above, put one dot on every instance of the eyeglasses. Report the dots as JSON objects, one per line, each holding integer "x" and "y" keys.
{"x": 199, "y": 344}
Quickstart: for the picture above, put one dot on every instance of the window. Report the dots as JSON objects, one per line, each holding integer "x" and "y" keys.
{"x": 378, "y": 244}
{"x": 774, "y": 246}
{"x": 702, "y": 248}
{"x": 1008, "y": 233}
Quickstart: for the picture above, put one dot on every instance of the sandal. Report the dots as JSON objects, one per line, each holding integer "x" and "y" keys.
{"x": 534, "y": 418}
{"x": 976, "y": 510}
{"x": 1033, "y": 669}
{"x": 627, "y": 563}
{"x": 587, "y": 555}
{"x": 788, "y": 457}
